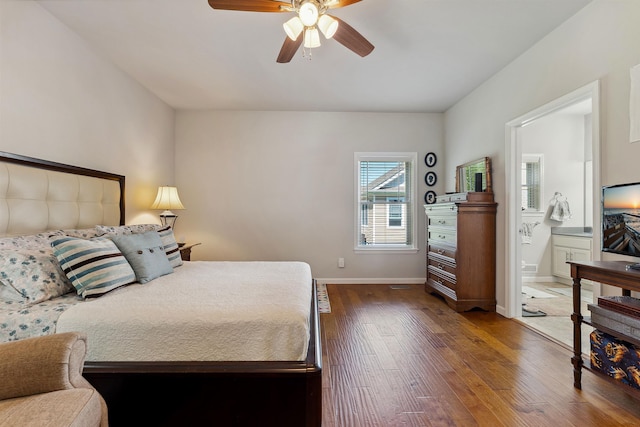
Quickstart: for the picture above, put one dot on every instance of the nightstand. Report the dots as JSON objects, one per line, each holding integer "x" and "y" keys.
{"x": 185, "y": 251}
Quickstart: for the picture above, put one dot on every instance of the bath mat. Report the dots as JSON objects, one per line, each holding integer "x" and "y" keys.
{"x": 532, "y": 313}
{"x": 585, "y": 295}
{"x": 535, "y": 293}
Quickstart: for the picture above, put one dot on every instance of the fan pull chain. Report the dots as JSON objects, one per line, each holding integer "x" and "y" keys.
{"x": 306, "y": 53}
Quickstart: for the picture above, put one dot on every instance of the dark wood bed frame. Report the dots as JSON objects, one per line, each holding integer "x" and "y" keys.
{"x": 270, "y": 393}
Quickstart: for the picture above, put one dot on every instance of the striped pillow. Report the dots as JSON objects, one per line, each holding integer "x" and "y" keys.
{"x": 94, "y": 266}
{"x": 170, "y": 246}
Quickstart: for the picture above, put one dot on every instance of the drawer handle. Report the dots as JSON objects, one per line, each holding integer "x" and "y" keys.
{"x": 440, "y": 266}
{"x": 440, "y": 251}
{"x": 442, "y": 222}
{"x": 439, "y": 282}
{"x": 442, "y": 236}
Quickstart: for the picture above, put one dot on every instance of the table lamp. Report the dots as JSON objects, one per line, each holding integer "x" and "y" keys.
{"x": 167, "y": 199}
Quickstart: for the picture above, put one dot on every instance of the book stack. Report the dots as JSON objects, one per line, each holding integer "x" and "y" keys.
{"x": 620, "y": 314}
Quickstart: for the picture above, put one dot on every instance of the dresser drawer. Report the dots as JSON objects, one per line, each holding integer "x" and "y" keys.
{"x": 441, "y": 209}
{"x": 441, "y": 283}
{"x": 442, "y": 235}
{"x": 442, "y": 252}
{"x": 442, "y": 221}
{"x": 438, "y": 264}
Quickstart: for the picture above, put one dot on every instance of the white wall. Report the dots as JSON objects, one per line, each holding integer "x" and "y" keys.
{"x": 561, "y": 140}
{"x": 602, "y": 41}
{"x": 61, "y": 101}
{"x": 280, "y": 185}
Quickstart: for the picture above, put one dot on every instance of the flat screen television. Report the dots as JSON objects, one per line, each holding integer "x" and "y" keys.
{"x": 621, "y": 219}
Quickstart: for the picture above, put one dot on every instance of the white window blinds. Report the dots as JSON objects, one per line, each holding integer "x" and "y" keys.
{"x": 531, "y": 179}
{"x": 385, "y": 200}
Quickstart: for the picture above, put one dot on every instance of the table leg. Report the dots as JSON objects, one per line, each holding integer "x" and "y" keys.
{"x": 577, "y": 335}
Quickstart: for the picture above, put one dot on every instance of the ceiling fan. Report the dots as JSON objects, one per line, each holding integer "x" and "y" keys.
{"x": 302, "y": 29}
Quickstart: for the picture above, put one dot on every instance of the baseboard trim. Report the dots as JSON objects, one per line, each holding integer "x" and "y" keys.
{"x": 372, "y": 281}
{"x": 539, "y": 279}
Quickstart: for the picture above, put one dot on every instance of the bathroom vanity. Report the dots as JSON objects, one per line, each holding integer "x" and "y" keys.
{"x": 569, "y": 244}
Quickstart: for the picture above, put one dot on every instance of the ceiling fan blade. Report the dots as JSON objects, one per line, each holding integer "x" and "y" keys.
{"x": 351, "y": 39}
{"x": 343, "y": 3}
{"x": 250, "y": 5}
{"x": 289, "y": 48}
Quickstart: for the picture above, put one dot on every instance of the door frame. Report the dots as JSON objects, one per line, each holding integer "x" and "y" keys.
{"x": 513, "y": 158}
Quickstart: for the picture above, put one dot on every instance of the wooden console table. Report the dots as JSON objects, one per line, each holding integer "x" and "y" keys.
{"x": 612, "y": 273}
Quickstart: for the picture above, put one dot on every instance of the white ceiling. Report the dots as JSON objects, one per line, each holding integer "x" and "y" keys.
{"x": 428, "y": 53}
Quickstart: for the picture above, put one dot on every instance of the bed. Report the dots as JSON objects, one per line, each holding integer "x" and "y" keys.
{"x": 195, "y": 343}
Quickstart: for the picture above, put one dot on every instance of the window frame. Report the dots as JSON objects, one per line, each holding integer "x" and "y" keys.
{"x": 411, "y": 193}
{"x": 539, "y": 159}
{"x": 403, "y": 214}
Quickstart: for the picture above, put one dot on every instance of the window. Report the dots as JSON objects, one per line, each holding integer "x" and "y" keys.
{"x": 385, "y": 198}
{"x": 395, "y": 212}
{"x": 364, "y": 214}
{"x": 531, "y": 182}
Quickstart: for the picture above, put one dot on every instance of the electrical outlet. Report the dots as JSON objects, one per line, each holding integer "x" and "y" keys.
{"x": 341, "y": 262}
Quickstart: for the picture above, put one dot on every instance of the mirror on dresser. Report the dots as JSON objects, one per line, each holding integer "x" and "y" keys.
{"x": 467, "y": 178}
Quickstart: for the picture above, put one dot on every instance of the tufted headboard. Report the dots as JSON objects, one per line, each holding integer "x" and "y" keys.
{"x": 38, "y": 195}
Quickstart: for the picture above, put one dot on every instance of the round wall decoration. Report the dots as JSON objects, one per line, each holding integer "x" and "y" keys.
{"x": 430, "y": 179}
{"x": 430, "y": 197}
{"x": 430, "y": 159}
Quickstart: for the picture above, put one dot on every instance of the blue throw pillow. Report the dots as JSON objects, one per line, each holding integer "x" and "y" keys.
{"x": 145, "y": 253}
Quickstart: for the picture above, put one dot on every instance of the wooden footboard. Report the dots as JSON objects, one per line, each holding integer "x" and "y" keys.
{"x": 215, "y": 393}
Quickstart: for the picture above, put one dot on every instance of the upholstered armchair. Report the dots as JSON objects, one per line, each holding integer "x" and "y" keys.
{"x": 41, "y": 383}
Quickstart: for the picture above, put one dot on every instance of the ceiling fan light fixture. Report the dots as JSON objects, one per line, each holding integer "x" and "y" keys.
{"x": 308, "y": 14}
{"x": 311, "y": 38}
{"x": 327, "y": 25}
{"x": 293, "y": 27}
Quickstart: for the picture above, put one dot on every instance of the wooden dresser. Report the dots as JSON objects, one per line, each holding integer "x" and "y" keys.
{"x": 461, "y": 251}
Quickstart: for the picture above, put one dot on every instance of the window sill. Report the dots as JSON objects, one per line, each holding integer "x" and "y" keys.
{"x": 388, "y": 250}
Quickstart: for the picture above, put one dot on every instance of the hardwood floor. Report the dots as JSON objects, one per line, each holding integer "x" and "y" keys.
{"x": 396, "y": 357}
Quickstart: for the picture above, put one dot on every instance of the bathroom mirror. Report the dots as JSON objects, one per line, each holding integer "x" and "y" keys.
{"x": 466, "y": 178}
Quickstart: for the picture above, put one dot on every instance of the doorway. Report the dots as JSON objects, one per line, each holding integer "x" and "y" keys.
{"x": 548, "y": 163}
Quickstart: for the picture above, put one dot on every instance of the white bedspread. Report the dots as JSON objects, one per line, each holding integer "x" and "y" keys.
{"x": 205, "y": 310}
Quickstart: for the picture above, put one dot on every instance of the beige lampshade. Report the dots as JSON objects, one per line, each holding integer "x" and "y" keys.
{"x": 167, "y": 199}
{"x": 293, "y": 27}
{"x": 328, "y": 26}
{"x": 311, "y": 38}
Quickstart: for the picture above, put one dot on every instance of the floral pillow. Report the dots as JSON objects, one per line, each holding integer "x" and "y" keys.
{"x": 10, "y": 297}
{"x": 43, "y": 240}
{"x": 32, "y": 241}
{"x": 125, "y": 229}
{"x": 34, "y": 273}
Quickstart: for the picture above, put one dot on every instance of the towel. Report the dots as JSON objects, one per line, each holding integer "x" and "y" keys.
{"x": 561, "y": 211}
{"x": 527, "y": 231}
